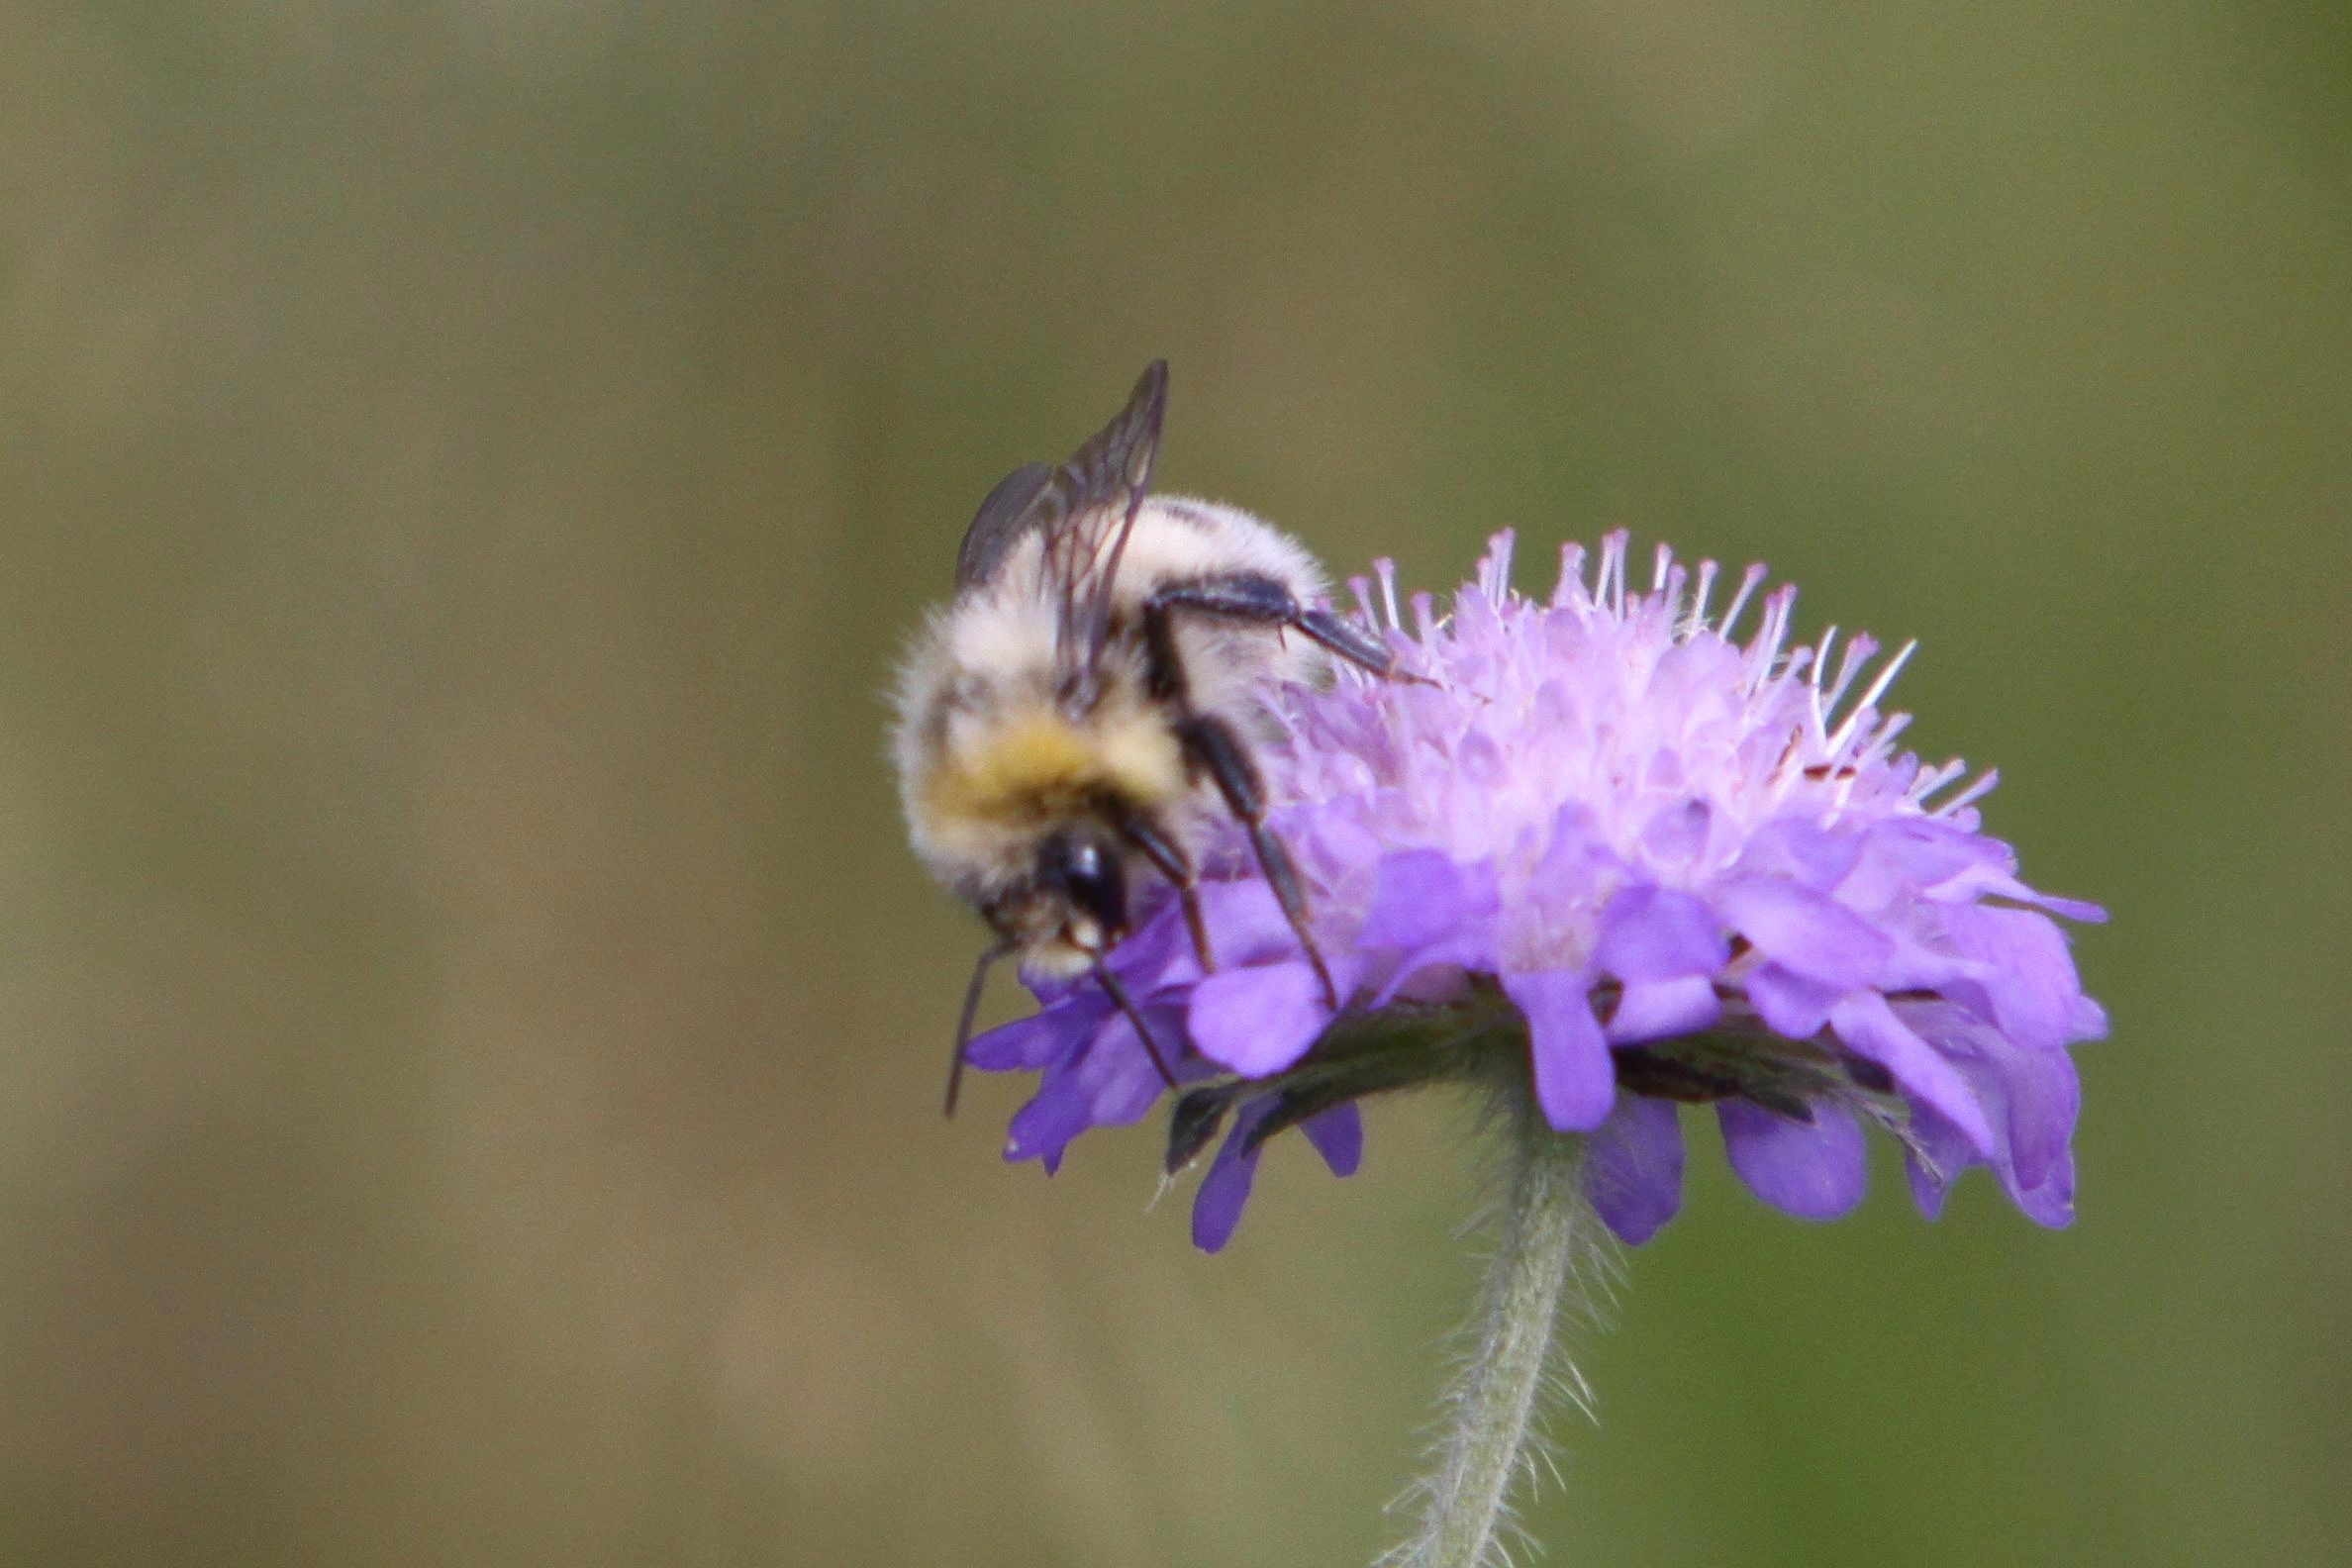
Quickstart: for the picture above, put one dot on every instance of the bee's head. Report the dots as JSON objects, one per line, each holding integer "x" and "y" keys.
{"x": 1080, "y": 868}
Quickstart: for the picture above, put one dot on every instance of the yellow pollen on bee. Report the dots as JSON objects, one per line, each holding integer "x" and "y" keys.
{"x": 1039, "y": 764}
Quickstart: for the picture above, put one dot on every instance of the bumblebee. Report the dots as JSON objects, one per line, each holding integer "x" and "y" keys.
{"x": 1072, "y": 721}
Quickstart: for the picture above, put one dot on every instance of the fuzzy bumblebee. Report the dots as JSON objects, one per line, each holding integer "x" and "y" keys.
{"x": 1071, "y": 724}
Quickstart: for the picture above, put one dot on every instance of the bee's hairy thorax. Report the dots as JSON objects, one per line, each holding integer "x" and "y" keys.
{"x": 1006, "y": 764}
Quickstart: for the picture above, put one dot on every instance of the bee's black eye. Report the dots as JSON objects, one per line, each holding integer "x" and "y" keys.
{"x": 1087, "y": 872}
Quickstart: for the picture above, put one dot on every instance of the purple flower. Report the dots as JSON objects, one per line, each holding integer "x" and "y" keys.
{"x": 1636, "y": 862}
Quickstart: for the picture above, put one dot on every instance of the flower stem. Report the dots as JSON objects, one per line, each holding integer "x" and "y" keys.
{"x": 1547, "y": 1237}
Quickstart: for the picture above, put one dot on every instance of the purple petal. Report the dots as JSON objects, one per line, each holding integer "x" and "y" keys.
{"x": 1575, "y": 848}
{"x": 1789, "y": 1003}
{"x": 1678, "y": 833}
{"x": 1421, "y": 897}
{"x": 1245, "y": 924}
{"x": 1217, "y": 1205}
{"x": 1803, "y": 931}
{"x": 1656, "y": 933}
{"x": 2086, "y": 1021}
{"x": 1110, "y": 1081}
{"x": 1870, "y": 1028}
{"x": 1334, "y": 843}
{"x": 1633, "y": 1168}
{"x": 2030, "y": 1098}
{"x": 1159, "y": 955}
{"x": 1045, "y": 1127}
{"x": 1942, "y": 1154}
{"x": 1567, "y": 875}
{"x": 1792, "y": 849}
{"x": 1906, "y": 857}
{"x": 1689, "y": 671}
{"x": 1981, "y": 882}
{"x": 1443, "y": 978}
{"x": 2030, "y": 985}
{"x": 1258, "y": 1021}
{"x": 1815, "y": 1172}
{"x": 1664, "y": 1009}
{"x": 2044, "y": 1097}
{"x": 1037, "y": 1039}
{"x": 2051, "y": 1201}
{"x": 1917, "y": 966}
{"x": 1428, "y": 975}
{"x": 1428, "y": 911}
{"x": 2073, "y": 909}
{"x": 1338, "y": 1136}
{"x": 1575, "y": 1081}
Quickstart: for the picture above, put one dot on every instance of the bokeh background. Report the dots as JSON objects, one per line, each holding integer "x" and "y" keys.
{"x": 470, "y": 1031}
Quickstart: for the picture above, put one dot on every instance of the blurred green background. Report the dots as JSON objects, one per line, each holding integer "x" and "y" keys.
{"x": 469, "y": 1027}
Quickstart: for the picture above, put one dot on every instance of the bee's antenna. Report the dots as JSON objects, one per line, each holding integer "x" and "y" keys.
{"x": 963, "y": 1028}
{"x": 1135, "y": 1016}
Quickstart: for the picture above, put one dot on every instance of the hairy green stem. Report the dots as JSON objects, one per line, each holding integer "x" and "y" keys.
{"x": 1546, "y": 1242}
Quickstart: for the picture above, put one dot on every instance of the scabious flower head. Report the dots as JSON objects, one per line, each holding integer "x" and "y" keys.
{"x": 1663, "y": 864}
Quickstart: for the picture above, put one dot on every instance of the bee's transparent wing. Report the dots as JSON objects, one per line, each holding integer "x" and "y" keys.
{"x": 1009, "y": 511}
{"x": 1087, "y": 510}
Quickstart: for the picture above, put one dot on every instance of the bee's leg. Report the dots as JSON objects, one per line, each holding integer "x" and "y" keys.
{"x": 1265, "y": 601}
{"x": 1351, "y": 641}
{"x": 1167, "y": 856}
{"x": 1212, "y": 743}
{"x": 1135, "y": 1017}
{"x": 971, "y": 1011}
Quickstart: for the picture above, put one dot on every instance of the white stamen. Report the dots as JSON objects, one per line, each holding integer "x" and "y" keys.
{"x": 1820, "y": 659}
{"x": 1750, "y": 580}
{"x": 1571, "y": 584}
{"x": 1705, "y": 590}
{"x": 1778, "y": 606}
{"x": 1612, "y": 573}
{"x": 1676, "y": 578}
{"x": 1976, "y": 791}
{"x": 1493, "y": 572}
{"x": 1932, "y": 779}
{"x": 1882, "y": 739}
{"x": 1664, "y": 559}
{"x": 1859, "y": 648}
{"x": 1886, "y": 676}
{"x": 1388, "y": 589}
{"x": 1361, "y": 587}
{"x": 1877, "y": 689}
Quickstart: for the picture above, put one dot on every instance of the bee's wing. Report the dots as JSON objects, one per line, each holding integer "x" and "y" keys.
{"x": 1009, "y": 511}
{"x": 1087, "y": 510}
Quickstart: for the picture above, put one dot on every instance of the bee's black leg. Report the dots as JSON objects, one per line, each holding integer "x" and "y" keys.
{"x": 1169, "y": 859}
{"x": 1351, "y": 641}
{"x": 1135, "y": 1016}
{"x": 1211, "y": 742}
{"x": 963, "y": 1027}
{"x": 1265, "y": 602}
